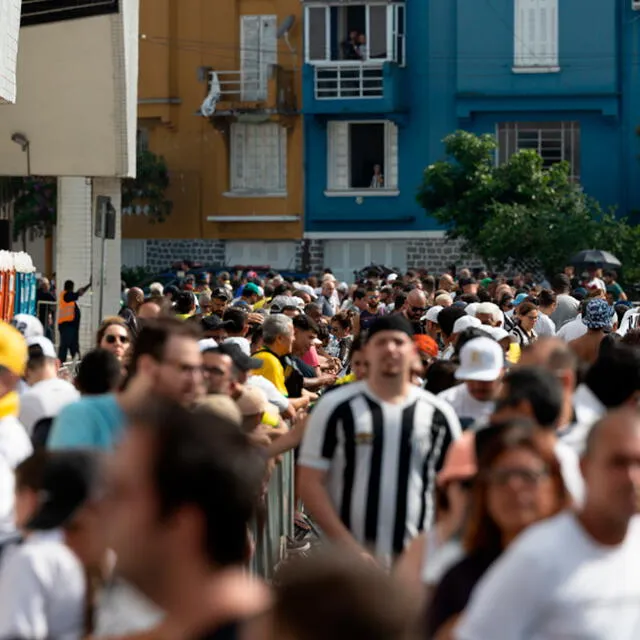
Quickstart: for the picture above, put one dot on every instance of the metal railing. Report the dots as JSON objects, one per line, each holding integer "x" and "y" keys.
{"x": 276, "y": 527}
{"x": 243, "y": 86}
{"x": 348, "y": 81}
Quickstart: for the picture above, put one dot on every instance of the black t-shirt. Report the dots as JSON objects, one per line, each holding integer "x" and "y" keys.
{"x": 454, "y": 590}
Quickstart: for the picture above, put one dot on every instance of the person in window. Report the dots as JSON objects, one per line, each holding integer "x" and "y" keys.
{"x": 350, "y": 46}
{"x": 361, "y": 47}
{"x": 377, "y": 181}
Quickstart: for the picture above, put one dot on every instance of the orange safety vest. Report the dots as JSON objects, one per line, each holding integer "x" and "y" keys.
{"x": 66, "y": 310}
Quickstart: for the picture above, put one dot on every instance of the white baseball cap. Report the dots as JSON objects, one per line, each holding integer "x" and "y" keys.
{"x": 392, "y": 277}
{"x": 465, "y": 322}
{"x": 206, "y": 344}
{"x": 472, "y": 309}
{"x": 481, "y": 359}
{"x": 432, "y": 313}
{"x": 29, "y": 326}
{"x": 497, "y": 333}
{"x": 48, "y": 350}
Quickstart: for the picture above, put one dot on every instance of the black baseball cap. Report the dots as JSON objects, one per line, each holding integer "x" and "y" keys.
{"x": 240, "y": 358}
{"x": 70, "y": 479}
{"x": 221, "y": 292}
{"x": 463, "y": 282}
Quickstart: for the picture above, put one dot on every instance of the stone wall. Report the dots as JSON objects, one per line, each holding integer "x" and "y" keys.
{"x": 163, "y": 253}
{"x": 437, "y": 254}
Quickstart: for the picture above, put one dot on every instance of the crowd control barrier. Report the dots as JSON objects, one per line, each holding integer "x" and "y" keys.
{"x": 17, "y": 284}
{"x": 271, "y": 533}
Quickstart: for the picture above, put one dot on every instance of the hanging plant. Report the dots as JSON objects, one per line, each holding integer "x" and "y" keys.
{"x": 145, "y": 194}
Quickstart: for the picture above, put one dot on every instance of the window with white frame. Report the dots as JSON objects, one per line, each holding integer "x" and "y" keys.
{"x": 355, "y": 32}
{"x": 554, "y": 141}
{"x": 536, "y": 36}
{"x": 363, "y": 156}
{"x": 258, "y": 158}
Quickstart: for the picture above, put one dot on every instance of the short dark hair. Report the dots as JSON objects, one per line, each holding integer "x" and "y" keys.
{"x": 36, "y": 358}
{"x": 615, "y": 376}
{"x": 471, "y": 333}
{"x": 305, "y": 323}
{"x": 359, "y": 293}
{"x": 539, "y": 388}
{"x": 69, "y": 285}
{"x": 207, "y": 463}
{"x": 236, "y": 319}
{"x": 30, "y": 472}
{"x": 185, "y": 301}
{"x": 546, "y": 298}
{"x": 99, "y": 372}
{"x": 447, "y": 318}
{"x": 441, "y": 376}
{"x": 155, "y": 334}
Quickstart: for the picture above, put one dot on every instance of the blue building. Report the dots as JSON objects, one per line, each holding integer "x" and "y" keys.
{"x": 385, "y": 82}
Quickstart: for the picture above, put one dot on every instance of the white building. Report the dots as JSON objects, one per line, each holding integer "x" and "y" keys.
{"x": 71, "y": 113}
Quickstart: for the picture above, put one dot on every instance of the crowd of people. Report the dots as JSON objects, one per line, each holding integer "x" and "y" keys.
{"x": 467, "y": 453}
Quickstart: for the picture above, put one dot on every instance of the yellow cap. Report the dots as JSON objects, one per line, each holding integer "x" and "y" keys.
{"x": 13, "y": 349}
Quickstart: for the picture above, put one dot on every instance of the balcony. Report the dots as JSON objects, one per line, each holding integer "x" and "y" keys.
{"x": 270, "y": 91}
{"x": 346, "y": 87}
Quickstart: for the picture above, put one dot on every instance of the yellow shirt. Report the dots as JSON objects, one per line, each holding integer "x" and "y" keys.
{"x": 271, "y": 369}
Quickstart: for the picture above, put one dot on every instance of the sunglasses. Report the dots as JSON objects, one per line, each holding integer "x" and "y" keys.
{"x": 419, "y": 309}
{"x": 111, "y": 339}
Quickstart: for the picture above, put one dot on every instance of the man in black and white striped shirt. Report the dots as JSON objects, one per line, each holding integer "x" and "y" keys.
{"x": 371, "y": 450}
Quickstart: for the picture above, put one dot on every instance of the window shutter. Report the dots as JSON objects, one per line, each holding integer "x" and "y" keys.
{"x": 338, "y": 156}
{"x": 250, "y": 57}
{"x": 391, "y": 146}
{"x": 238, "y": 136}
{"x": 536, "y": 33}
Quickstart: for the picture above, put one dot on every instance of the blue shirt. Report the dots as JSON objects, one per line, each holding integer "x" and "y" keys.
{"x": 94, "y": 422}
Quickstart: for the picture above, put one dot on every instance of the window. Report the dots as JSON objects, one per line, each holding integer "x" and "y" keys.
{"x": 142, "y": 140}
{"x": 363, "y": 156}
{"x": 554, "y": 141}
{"x": 536, "y": 36}
{"x": 355, "y": 32}
{"x": 258, "y": 158}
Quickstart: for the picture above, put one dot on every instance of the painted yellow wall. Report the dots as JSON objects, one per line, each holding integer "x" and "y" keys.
{"x": 178, "y": 37}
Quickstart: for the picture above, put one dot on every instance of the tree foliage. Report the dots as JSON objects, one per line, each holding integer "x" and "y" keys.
{"x": 519, "y": 211}
{"x": 146, "y": 192}
{"x": 33, "y": 202}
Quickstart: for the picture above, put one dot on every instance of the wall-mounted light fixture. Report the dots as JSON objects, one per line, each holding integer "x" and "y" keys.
{"x": 25, "y": 145}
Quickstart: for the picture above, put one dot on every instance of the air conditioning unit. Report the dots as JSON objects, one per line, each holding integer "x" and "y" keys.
{"x": 635, "y": 5}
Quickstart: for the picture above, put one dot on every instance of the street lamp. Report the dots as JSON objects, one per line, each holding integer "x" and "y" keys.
{"x": 25, "y": 145}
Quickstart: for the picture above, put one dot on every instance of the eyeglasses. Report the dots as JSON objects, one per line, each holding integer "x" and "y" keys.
{"x": 532, "y": 317}
{"x": 529, "y": 477}
{"x": 111, "y": 339}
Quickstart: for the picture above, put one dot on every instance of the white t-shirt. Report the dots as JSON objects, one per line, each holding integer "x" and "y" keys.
{"x": 630, "y": 320}
{"x": 588, "y": 410}
{"x": 544, "y": 326}
{"x": 42, "y": 590}
{"x": 45, "y": 399}
{"x": 467, "y": 408}
{"x": 571, "y": 473}
{"x": 15, "y": 445}
{"x": 271, "y": 391}
{"x": 556, "y": 582}
{"x": 572, "y": 330}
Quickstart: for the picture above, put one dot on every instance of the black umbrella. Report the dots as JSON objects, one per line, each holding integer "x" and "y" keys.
{"x": 596, "y": 258}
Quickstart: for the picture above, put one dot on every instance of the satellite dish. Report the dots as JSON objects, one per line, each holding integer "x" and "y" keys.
{"x": 285, "y": 26}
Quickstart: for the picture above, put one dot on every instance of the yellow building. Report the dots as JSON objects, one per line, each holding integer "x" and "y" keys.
{"x": 219, "y": 99}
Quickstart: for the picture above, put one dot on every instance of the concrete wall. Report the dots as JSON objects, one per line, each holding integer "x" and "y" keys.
{"x": 9, "y": 33}
{"x": 73, "y": 101}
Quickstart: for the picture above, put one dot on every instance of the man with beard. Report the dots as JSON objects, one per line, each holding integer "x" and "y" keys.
{"x": 371, "y": 450}
{"x": 414, "y": 309}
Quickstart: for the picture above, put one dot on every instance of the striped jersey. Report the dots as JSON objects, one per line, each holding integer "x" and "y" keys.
{"x": 381, "y": 461}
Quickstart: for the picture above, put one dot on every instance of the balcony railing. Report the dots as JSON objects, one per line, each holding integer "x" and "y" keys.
{"x": 350, "y": 81}
{"x": 270, "y": 88}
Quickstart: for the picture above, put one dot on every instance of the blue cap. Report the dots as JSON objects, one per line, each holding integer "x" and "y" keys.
{"x": 519, "y": 298}
{"x": 598, "y": 314}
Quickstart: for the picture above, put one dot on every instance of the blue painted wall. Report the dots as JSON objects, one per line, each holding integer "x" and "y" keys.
{"x": 459, "y": 75}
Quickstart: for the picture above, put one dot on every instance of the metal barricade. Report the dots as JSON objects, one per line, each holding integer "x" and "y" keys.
{"x": 50, "y": 330}
{"x": 277, "y": 526}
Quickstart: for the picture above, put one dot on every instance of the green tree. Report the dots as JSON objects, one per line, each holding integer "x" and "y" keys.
{"x": 519, "y": 211}
{"x": 146, "y": 192}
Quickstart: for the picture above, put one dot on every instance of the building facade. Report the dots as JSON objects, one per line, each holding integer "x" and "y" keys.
{"x": 385, "y": 82}
{"x": 9, "y": 33}
{"x": 219, "y": 99}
